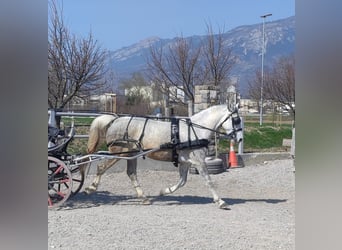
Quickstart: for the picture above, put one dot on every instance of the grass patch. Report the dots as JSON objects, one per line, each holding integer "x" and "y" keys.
{"x": 265, "y": 138}
{"x": 79, "y": 121}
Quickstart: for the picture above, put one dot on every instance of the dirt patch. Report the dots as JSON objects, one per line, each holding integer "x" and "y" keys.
{"x": 261, "y": 215}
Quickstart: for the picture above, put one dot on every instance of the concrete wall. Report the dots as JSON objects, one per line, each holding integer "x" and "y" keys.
{"x": 205, "y": 96}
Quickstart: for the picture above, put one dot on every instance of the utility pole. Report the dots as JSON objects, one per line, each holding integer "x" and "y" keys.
{"x": 262, "y": 65}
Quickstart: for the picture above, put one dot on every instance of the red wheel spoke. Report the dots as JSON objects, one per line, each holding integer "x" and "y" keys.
{"x": 58, "y": 169}
{"x": 61, "y": 194}
{"x": 64, "y": 181}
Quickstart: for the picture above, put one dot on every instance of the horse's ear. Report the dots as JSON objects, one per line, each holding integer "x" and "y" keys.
{"x": 233, "y": 106}
{"x": 232, "y": 99}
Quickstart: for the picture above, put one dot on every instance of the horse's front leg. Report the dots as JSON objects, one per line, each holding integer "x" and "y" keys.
{"x": 197, "y": 159}
{"x": 183, "y": 175}
{"x": 132, "y": 174}
{"x": 203, "y": 171}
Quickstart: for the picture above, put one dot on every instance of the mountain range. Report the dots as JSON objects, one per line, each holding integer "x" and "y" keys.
{"x": 244, "y": 41}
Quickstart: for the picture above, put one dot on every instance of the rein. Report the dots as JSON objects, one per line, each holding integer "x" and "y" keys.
{"x": 214, "y": 130}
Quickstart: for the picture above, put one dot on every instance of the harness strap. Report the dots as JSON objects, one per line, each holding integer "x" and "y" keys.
{"x": 190, "y": 124}
{"x": 110, "y": 123}
{"x": 141, "y": 136}
{"x": 174, "y": 139}
{"x": 125, "y": 137}
{"x": 143, "y": 130}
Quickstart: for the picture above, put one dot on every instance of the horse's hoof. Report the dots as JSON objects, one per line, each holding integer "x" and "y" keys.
{"x": 223, "y": 205}
{"x": 165, "y": 191}
{"x": 89, "y": 190}
{"x": 146, "y": 201}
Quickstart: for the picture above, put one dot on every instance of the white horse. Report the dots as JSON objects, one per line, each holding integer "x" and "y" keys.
{"x": 128, "y": 134}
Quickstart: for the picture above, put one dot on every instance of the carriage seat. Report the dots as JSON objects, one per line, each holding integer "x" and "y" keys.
{"x": 58, "y": 139}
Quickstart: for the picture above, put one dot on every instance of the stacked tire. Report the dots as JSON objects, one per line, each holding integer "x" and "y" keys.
{"x": 214, "y": 166}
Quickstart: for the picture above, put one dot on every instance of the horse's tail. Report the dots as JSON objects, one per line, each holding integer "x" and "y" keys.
{"x": 97, "y": 132}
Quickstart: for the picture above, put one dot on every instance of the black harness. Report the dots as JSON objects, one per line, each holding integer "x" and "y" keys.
{"x": 174, "y": 145}
{"x": 126, "y": 138}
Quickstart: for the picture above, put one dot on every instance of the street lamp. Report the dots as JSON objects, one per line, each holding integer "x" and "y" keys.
{"x": 262, "y": 65}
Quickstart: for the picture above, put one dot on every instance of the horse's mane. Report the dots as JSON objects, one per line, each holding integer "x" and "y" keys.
{"x": 204, "y": 113}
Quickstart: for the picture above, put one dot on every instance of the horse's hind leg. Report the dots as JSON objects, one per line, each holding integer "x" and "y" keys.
{"x": 132, "y": 174}
{"x": 101, "y": 169}
{"x": 183, "y": 174}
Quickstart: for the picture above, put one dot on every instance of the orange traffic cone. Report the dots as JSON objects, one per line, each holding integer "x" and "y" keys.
{"x": 233, "y": 162}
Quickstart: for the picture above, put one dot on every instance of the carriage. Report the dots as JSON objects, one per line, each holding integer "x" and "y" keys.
{"x": 64, "y": 176}
{"x": 180, "y": 140}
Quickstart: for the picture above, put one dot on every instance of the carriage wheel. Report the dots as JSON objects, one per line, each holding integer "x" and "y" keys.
{"x": 77, "y": 180}
{"x": 59, "y": 182}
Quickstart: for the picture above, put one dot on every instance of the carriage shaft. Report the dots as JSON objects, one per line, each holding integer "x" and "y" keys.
{"x": 101, "y": 155}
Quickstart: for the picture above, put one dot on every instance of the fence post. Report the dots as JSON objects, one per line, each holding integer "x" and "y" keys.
{"x": 52, "y": 118}
{"x": 293, "y": 144}
{"x": 240, "y": 149}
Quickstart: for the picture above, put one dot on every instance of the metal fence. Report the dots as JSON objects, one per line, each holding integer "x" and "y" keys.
{"x": 52, "y": 118}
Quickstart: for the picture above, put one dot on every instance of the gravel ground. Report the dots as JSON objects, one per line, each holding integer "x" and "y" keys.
{"x": 261, "y": 215}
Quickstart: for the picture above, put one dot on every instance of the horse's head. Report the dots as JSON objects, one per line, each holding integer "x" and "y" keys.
{"x": 232, "y": 124}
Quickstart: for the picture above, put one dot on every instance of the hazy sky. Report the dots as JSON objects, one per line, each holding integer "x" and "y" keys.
{"x": 119, "y": 23}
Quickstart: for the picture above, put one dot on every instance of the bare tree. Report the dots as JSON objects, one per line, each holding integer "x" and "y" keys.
{"x": 254, "y": 87}
{"x": 176, "y": 69}
{"x": 218, "y": 58}
{"x": 184, "y": 65}
{"x": 138, "y": 95}
{"x": 279, "y": 84}
{"x": 75, "y": 65}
